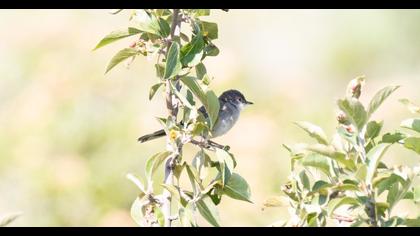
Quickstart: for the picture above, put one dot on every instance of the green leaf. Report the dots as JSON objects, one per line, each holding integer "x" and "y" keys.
{"x": 195, "y": 88}
{"x": 393, "y": 193}
{"x": 116, "y": 35}
{"x": 304, "y": 180}
{"x": 209, "y": 29}
{"x": 237, "y": 188}
{"x": 379, "y": 98}
{"x": 173, "y": 190}
{"x": 412, "y": 143}
{"x": 411, "y": 106}
{"x": 329, "y": 151}
{"x": 226, "y": 165}
{"x": 212, "y": 106}
{"x": 201, "y": 12}
{"x": 337, "y": 202}
{"x": 121, "y": 56}
{"x": 200, "y": 70}
{"x": 314, "y": 131}
{"x": 361, "y": 173}
{"x": 192, "y": 52}
{"x": 211, "y": 50}
{"x": 194, "y": 179}
{"x": 374, "y": 157}
{"x": 373, "y": 129}
{"x": 354, "y": 110}
{"x": 186, "y": 216}
{"x": 345, "y": 187}
{"x": 153, "y": 90}
{"x": 392, "y": 138}
{"x": 386, "y": 182}
{"x": 320, "y": 184}
{"x": 208, "y": 210}
{"x": 136, "y": 211}
{"x": 159, "y": 216}
{"x": 137, "y": 181}
{"x": 148, "y": 22}
{"x": 164, "y": 27}
{"x": 154, "y": 162}
{"x": 413, "y": 124}
{"x": 173, "y": 65}
{"x": 160, "y": 70}
{"x": 9, "y": 218}
{"x": 317, "y": 161}
{"x": 416, "y": 193}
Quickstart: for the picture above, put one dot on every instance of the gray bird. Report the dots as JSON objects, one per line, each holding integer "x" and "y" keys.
{"x": 231, "y": 102}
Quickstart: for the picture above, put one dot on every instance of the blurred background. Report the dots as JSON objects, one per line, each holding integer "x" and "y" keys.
{"x": 68, "y": 132}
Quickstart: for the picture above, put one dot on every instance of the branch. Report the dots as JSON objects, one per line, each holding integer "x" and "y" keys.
{"x": 173, "y": 111}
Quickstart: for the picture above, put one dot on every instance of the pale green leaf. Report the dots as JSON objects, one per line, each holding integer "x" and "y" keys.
{"x": 154, "y": 89}
{"x": 208, "y": 210}
{"x": 117, "y": 35}
{"x": 354, "y": 110}
{"x": 212, "y": 106}
{"x": 379, "y": 98}
{"x": 154, "y": 162}
{"x": 337, "y": 202}
{"x": 373, "y": 129}
{"x": 137, "y": 181}
{"x": 412, "y": 143}
{"x": 136, "y": 211}
{"x": 374, "y": 157}
{"x": 121, "y": 56}
{"x": 413, "y": 124}
{"x": 314, "y": 131}
{"x": 317, "y": 161}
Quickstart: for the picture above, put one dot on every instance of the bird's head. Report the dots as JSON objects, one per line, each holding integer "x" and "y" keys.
{"x": 235, "y": 97}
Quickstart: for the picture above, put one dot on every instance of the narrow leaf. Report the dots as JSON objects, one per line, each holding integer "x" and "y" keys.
{"x": 154, "y": 89}
{"x": 117, "y": 35}
{"x": 374, "y": 157}
{"x": 212, "y": 107}
{"x": 314, "y": 131}
{"x": 121, "y": 56}
{"x": 337, "y": 202}
{"x": 173, "y": 65}
{"x": 208, "y": 210}
{"x": 154, "y": 162}
{"x": 413, "y": 124}
{"x": 379, "y": 98}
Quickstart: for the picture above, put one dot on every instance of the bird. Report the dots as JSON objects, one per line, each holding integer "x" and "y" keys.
{"x": 232, "y": 102}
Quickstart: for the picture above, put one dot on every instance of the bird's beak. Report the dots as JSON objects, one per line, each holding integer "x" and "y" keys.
{"x": 248, "y": 103}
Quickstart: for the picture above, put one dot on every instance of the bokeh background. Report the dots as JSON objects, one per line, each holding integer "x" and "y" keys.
{"x": 68, "y": 132}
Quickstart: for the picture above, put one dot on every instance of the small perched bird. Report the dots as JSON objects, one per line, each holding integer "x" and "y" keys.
{"x": 231, "y": 102}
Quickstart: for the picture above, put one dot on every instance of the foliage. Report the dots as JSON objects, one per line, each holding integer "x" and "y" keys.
{"x": 344, "y": 180}
{"x": 184, "y": 78}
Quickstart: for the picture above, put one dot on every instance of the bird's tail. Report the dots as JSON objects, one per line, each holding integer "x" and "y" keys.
{"x": 147, "y": 137}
